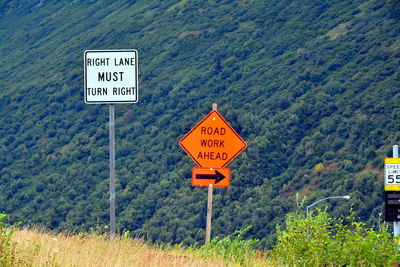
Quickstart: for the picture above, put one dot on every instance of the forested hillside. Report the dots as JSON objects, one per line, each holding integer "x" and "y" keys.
{"x": 312, "y": 86}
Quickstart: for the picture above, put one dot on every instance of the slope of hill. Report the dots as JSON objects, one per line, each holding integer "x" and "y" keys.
{"x": 312, "y": 86}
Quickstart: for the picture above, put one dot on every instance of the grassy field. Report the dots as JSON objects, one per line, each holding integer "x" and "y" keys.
{"x": 35, "y": 248}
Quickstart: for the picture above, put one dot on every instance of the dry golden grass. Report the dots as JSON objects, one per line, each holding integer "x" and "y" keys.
{"x": 36, "y": 248}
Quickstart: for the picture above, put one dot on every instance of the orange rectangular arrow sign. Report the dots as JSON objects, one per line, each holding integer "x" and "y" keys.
{"x": 219, "y": 177}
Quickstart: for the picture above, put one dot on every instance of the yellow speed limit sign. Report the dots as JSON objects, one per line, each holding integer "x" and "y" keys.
{"x": 392, "y": 174}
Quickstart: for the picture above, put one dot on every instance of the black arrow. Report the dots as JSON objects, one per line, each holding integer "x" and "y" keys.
{"x": 217, "y": 176}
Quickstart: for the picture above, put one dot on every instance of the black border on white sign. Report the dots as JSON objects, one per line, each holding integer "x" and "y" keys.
{"x": 136, "y": 78}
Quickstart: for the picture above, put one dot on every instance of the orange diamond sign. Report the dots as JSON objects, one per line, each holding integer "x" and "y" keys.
{"x": 212, "y": 142}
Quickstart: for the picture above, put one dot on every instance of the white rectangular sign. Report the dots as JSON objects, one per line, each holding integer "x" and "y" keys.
{"x": 111, "y": 76}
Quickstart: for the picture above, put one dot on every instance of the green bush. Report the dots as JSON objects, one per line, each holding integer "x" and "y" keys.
{"x": 318, "y": 240}
{"x": 7, "y": 247}
{"x": 232, "y": 248}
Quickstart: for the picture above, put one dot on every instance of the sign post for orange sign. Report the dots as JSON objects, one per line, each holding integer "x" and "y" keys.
{"x": 212, "y": 142}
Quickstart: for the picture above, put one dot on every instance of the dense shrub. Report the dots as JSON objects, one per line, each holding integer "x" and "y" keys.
{"x": 232, "y": 248}
{"x": 318, "y": 240}
{"x": 7, "y": 247}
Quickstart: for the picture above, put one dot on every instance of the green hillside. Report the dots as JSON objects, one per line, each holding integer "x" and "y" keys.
{"x": 312, "y": 86}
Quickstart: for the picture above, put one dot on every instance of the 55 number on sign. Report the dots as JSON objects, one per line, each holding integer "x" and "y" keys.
{"x": 393, "y": 179}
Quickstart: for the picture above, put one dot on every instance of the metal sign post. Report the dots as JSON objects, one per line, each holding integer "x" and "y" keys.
{"x": 209, "y": 213}
{"x": 209, "y": 200}
{"x": 112, "y": 169}
{"x": 396, "y": 225}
